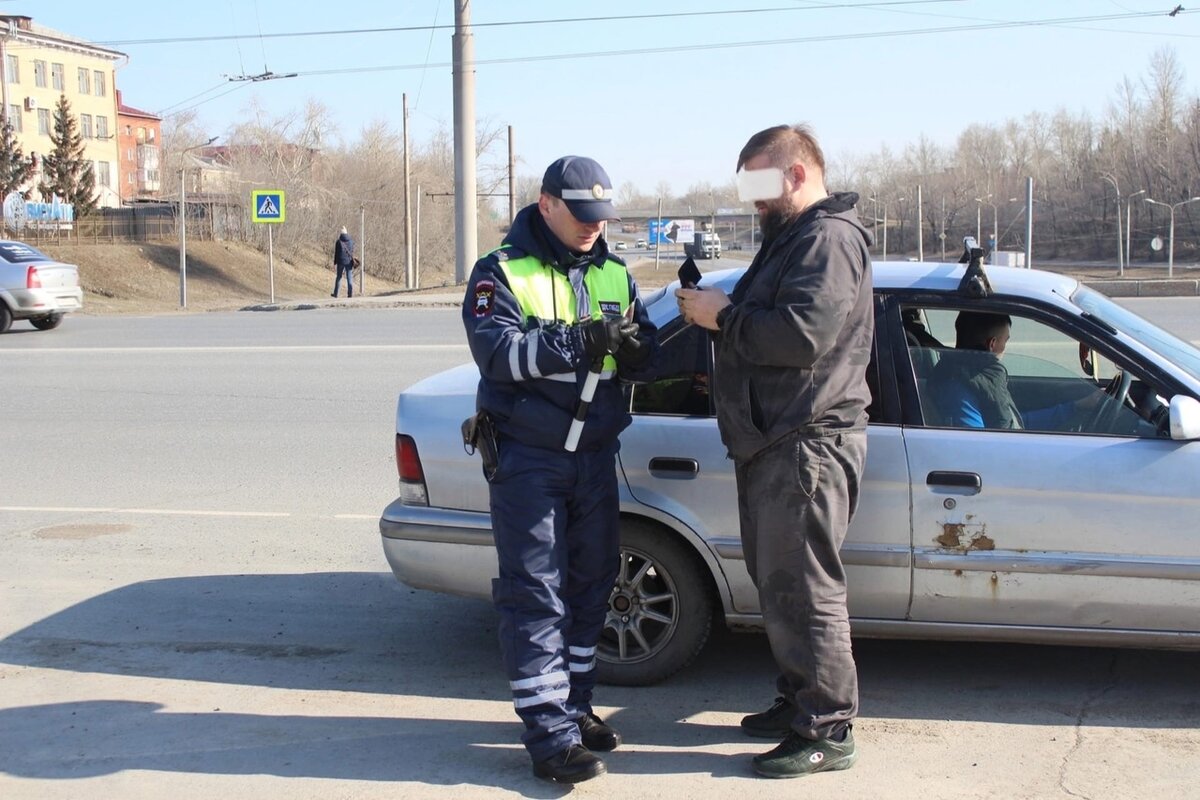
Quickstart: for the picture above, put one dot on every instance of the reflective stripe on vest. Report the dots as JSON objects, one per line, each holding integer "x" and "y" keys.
{"x": 544, "y": 292}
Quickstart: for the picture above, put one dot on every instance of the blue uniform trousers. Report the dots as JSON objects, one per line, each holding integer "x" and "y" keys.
{"x": 555, "y": 518}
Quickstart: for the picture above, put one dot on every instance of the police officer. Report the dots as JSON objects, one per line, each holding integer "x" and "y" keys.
{"x": 541, "y": 312}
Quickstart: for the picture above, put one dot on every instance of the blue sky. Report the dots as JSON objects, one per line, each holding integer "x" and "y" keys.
{"x": 676, "y": 116}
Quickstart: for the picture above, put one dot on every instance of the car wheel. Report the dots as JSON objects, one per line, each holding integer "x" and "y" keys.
{"x": 47, "y": 323}
{"x": 5, "y": 317}
{"x": 660, "y": 612}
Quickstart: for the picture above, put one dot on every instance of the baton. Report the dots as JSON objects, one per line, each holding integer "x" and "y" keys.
{"x": 585, "y": 400}
{"x": 586, "y": 395}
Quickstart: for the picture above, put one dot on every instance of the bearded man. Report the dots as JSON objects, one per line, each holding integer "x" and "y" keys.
{"x": 792, "y": 346}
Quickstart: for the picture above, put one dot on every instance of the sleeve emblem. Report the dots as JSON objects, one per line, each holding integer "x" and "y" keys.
{"x": 485, "y": 295}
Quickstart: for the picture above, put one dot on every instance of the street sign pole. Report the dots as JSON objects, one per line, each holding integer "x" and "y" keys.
{"x": 268, "y": 206}
{"x": 271, "y": 259}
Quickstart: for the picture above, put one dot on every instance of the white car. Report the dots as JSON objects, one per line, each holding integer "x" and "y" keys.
{"x": 1081, "y": 530}
{"x": 620, "y": 246}
{"x": 35, "y": 287}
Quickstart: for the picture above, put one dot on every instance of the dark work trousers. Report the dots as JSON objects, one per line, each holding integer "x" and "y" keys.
{"x": 555, "y": 518}
{"x": 795, "y": 501}
{"x": 349, "y": 272}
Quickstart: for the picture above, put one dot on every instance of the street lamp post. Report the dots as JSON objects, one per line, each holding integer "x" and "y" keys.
{"x": 1120, "y": 244}
{"x": 1171, "y": 233}
{"x": 183, "y": 220}
{"x": 1128, "y": 226}
{"x": 987, "y": 200}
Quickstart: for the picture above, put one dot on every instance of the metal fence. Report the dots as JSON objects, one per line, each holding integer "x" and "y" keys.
{"x": 143, "y": 223}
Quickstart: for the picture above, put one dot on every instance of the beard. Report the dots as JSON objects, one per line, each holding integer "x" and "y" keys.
{"x": 778, "y": 215}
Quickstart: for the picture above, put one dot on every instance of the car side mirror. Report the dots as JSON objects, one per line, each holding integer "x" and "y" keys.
{"x": 1185, "y": 418}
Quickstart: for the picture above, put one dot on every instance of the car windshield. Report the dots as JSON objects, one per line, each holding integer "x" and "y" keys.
{"x": 1176, "y": 350}
{"x": 17, "y": 253}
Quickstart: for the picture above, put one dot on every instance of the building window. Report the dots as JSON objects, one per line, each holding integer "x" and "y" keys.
{"x": 85, "y": 126}
{"x": 101, "y": 127}
{"x": 13, "y": 69}
{"x": 58, "y": 77}
{"x": 151, "y": 133}
{"x": 14, "y": 117}
{"x": 100, "y": 84}
{"x": 129, "y": 130}
{"x": 85, "y": 81}
{"x": 44, "y": 121}
{"x": 141, "y": 134}
{"x": 129, "y": 178}
{"x": 39, "y": 74}
{"x": 103, "y": 174}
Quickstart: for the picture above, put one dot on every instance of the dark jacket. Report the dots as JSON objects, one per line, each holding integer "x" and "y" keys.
{"x": 970, "y": 388}
{"x": 792, "y": 351}
{"x": 531, "y": 409}
{"x": 343, "y": 251}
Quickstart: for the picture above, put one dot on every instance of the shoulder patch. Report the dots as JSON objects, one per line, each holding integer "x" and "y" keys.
{"x": 485, "y": 297}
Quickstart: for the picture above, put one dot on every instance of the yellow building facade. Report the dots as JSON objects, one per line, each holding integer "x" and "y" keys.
{"x": 37, "y": 66}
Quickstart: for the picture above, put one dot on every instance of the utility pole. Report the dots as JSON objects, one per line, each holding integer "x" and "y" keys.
{"x": 920, "y": 228}
{"x": 1029, "y": 223}
{"x": 362, "y": 247}
{"x": 512, "y": 177}
{"x": 465, "y": 203}
{"x": 410, "y": 273}
{"x": 1120, "y": 243}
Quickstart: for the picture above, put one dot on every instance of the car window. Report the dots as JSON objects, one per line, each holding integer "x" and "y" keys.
{"x": 682, "y": 386}
{"x": 1042, "y": 382}
{"x": 17, "y": 253}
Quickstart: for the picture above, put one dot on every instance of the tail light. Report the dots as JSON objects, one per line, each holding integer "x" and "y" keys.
{"x": 32, "y": 279}
{"x": 412, "y": 477}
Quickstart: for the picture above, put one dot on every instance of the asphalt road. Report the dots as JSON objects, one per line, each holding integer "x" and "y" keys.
{"x": 195, "y": 604}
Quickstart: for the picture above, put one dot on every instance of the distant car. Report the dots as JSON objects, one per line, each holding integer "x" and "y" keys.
{"x": 1078, "y": 527}
{"x": 35, "y": 287}
{"x": 652, "y": 246}
{"x": 620, "y": 246}
{"x": 640, "y": 243}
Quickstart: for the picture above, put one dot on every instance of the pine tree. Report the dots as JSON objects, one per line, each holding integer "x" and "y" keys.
{"x": 15, "y": 168}
{"x": 66, "y": 172}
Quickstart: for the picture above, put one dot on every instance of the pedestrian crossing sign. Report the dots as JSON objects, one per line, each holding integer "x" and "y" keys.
{"x": 267, "y": 205}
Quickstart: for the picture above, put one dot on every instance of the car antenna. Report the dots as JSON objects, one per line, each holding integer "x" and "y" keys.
{"x": 975, "y": 282}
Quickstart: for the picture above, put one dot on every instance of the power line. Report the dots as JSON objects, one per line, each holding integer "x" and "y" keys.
{"x": 758, "y": 43}
{"x": 509, "y": 23}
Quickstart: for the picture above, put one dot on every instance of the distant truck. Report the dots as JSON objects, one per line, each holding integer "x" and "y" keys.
{"x": 707, "y": 244}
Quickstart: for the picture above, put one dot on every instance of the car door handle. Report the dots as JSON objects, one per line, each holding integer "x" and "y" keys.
{"x": 675, "y": 468}
{"x": 955, "y": 480}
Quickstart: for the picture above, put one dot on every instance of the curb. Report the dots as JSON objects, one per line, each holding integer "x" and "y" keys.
{"x": 1145, "y": 288}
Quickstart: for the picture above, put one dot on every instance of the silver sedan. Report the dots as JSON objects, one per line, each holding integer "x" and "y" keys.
{"x": 35, "y": 287}
{"x": 1077, "y": 527}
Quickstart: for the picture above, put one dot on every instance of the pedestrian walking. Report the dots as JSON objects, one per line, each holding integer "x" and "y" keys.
{"x": 343, "y": 262}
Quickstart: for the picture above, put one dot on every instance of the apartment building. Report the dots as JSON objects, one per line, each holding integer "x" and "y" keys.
{"x": 139, "y": 136}
{"x": 37, "y": 66}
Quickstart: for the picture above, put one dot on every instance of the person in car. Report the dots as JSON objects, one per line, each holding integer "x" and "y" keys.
{"x": 970, "y": 384}
{"x": 792, "y": 346}
{"x": 547, "y": 308}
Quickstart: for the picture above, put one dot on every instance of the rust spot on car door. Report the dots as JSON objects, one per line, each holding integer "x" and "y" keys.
{"x": 965, "y": 537}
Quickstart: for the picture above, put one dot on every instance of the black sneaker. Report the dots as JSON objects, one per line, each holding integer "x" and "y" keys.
{"x": 796, "y": 756}
{"x": 573, "y": 765}
{"x": 774, "y": 723}
{"x": 596, "y": 735}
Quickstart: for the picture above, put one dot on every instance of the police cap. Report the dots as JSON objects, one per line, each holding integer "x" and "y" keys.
{"x": 583, "y": 185}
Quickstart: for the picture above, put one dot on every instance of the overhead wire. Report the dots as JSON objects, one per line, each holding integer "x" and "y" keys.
{"x": 524, "y": 22}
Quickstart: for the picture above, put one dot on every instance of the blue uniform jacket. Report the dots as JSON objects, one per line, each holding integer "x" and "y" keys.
{"x": 513, "y": 353}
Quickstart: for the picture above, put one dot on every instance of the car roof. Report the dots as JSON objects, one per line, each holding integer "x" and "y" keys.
{"x": 930, "y": 276}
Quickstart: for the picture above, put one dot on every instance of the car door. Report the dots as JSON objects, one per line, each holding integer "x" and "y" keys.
{"x": 674, "y": 461}
{"x": 1081, "y": 520}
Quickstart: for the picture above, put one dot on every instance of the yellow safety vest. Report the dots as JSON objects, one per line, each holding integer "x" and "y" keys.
{"x": 544, "y": 292}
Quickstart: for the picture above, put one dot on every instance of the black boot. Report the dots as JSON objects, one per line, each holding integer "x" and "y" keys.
{"x": 596, "y": 735}
{"x": 573, "y": 765}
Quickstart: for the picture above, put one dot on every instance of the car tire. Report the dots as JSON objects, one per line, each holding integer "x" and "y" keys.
{"x": 5, "y": 317}
{"x": 664, "y": 635}
{"x": 47, "y": 323}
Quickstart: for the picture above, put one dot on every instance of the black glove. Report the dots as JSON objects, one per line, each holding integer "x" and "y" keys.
{"x": 633, "y": 351}
{"x": 601, "y": 336}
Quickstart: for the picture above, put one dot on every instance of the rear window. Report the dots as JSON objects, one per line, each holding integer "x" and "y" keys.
{"x": 17, "y": 253}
